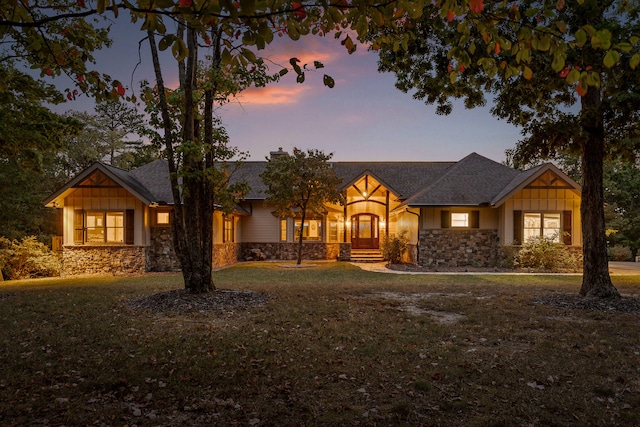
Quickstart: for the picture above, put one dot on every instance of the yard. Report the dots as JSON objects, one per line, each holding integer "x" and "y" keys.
{"x": 324, "y": 345}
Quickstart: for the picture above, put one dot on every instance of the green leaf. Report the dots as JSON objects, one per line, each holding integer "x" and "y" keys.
{"x": 318, "y": 64}
{"x": 634, "y": 61}
{"x": 611, "y": 58}
{"x": 453, "y": 77}
{"x": 573, "y": 76}
{"x": 300, "y": 78}
{"x": 596, "y": 42}
{"x": 527, "y": 73}
{"x": 283, "y": 72}
{"x": 581, "y": 37}
{"x": 166, "y": 42}
{"x": 251, "y": 57}
{"x": 102, "y": 6}
{"x": 328, "y": 81}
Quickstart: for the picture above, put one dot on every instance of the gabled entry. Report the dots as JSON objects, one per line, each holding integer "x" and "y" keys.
{"x": 364, "y": 231}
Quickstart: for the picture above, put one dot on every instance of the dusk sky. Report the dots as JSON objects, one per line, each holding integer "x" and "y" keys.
{"x": 364, "y": 117}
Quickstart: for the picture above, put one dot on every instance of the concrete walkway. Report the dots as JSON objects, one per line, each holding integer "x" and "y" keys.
{"x": 616, "y": 268}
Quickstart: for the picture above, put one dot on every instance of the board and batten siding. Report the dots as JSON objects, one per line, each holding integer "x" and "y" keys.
{"x": 115, "y": 199}
{"x": 541, "y": 200}
{"x": 261, "y": 226}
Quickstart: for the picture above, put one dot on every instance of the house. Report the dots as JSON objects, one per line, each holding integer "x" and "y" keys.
{"x": 455, "y": 213}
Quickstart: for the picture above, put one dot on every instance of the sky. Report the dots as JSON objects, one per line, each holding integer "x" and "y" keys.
{"x": 363, "y": 118}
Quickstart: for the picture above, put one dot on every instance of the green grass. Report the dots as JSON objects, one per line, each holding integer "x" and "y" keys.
{"x": 335, "y": 345}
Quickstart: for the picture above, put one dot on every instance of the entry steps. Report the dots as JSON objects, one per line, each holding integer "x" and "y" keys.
{"x": 366, "y": 255}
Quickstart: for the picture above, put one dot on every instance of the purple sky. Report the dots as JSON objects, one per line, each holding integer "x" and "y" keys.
{"x": 364, "y": 117}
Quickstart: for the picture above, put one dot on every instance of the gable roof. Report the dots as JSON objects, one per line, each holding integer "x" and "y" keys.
{"x": 120, "y": 176}
{"x": 403, "y": 179}
{"x": 473, "y": 181}
{"x": 527, "y": 177}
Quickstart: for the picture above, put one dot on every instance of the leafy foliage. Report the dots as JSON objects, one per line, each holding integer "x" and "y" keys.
{"x": 619, "y": 253}
{"x": 543, "y": 253}
{"x": 26, "y": 259}
{"x": 395, "y": 246}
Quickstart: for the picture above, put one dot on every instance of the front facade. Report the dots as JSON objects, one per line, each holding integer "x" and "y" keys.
{"x": 454, "y": 213}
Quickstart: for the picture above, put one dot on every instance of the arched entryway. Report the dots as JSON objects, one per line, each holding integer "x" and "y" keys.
{"x": 365, "y": 232}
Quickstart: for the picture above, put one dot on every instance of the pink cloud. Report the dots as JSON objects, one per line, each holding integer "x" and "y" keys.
{"x": 272, "y": 95}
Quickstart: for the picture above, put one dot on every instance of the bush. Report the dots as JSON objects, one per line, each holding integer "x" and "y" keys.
{"x": 543, "y": 253}
{"x": 619, "y": 253}
{"x": 395, "y": 246}
{"x": 26, "y": 259}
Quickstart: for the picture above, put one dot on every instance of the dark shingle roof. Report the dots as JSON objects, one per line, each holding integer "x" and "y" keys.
{"x": 473, "y": 181}
{"x": 155, "y": 177}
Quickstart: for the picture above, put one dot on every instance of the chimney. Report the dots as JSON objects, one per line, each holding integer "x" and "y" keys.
{"x": 275, "y": 154}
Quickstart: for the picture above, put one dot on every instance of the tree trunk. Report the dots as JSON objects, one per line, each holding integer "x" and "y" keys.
{"x": 596, "y": 281}
{"x": 193, "y": 208}
{"x": 304, "y": 214}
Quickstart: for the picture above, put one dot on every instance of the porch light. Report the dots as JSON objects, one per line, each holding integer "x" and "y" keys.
{"x": 364, "y": 194}
{"x": 383, "y": 222}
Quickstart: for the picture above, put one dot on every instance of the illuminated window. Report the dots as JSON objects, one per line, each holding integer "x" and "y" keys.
{"x": 104, "y": 227}
{"x": 312, "y": 229}
{"x": 283, "y": 230}
{"x": 537, "y": 224}
{"x": 229, "y": 234}
{"x": 162, "y": 218}
{"x": 459, "y": 220}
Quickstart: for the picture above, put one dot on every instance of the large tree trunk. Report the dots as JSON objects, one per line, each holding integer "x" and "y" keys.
{"x": 596, "y": 281}
{"x": 193, "y": 206}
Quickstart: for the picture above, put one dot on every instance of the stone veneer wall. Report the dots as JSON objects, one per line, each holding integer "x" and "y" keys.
{"x": 459, "y": 248}
{"x": 225, "y": 254}
{"x": 345, "y": 252}
{"x": 115, "y": 260}
{"x": 288, "y": 251}
{"x": 162, "y": 256}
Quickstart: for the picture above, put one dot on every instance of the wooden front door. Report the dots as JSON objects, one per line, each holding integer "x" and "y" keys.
{"x": 364, "y": 231}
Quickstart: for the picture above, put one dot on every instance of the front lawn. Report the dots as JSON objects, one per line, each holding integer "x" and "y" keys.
{"x": 332, "y": 345}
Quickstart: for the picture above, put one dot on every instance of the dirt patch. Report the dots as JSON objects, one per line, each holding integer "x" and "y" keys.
{"x": 182, "y": 301}
{"x": 409, "y": 305}
{"x": 577, "y": 302}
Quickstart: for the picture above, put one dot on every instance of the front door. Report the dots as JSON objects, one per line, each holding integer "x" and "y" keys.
{"x": 364, "y": 231}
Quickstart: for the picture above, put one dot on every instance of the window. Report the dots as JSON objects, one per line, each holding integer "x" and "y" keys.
{"x": 469, "y": 219}
{"x": 103, "y": 226}
{"x": 333, "y": 231}
{"x": 162, "y": 218}
{"x": 312, "y": 229}
{"x": 538, "y": 224}
{"x": 283, "y": 230}
{"x": 228, "y": 235}
{"x": 459, "y": 220}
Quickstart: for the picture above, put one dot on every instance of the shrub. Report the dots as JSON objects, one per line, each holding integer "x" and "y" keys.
{"x": 543, "y": 253}
{"x": 26, "y": 259}
{"x": 395, "y": 246}
{"x": 619, "y": 253}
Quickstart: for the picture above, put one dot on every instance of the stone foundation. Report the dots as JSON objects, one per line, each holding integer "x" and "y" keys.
{"x": 345, "y": 252}
{"x": 162, "y": 256}
{"x": 458, "y": 248}
{"x": 225, "y": 254}
{"x": 114, "y": 260}
{"x": 289, "y": 251}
